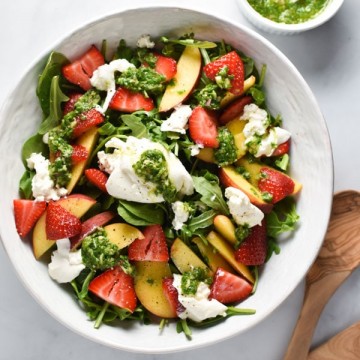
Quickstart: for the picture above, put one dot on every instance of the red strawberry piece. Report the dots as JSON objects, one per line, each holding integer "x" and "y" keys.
{"x": 276, "y": 183}
{"x": 87, "y": 120}
{"x": 80, "y": 71}
{"x": 203, "y": 127}
{"x": 70, "y": 104}
{"x": 229, "y": 288}
{"x": 27, "y": 213}
{"x": 235, "y": 68}
{"x": 91, "y": 60}
{"x": 116, "y": 287}
{"x": 152, "y": 248}
{"x": 252, "y": 251}
{"x": 97, "y": 177}
{"x": 165, "y": 66}
{"x": 90, "y": 225}
{"x": 128, "y": 101}
{"x": 61, "y": 223}
{"x": 79, "y": 154}
{"x": 282, "y": 149}
{"x": 172, "y": 295}
{"x": 235, "y": 109}
{"x": 75, "y": 74}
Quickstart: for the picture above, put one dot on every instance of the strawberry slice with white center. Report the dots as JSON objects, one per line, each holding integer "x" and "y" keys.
{"x": 165, "y": 66}
{"x": 235, "y": 68}
{"x": 229, "y": 288}
{"x": 152, "y": 247}
{"x": 61, "y": 223}
{"x": 26, "y": 213}
{"x": 80, "y": 71}
{"x": 128, "y": 101}
{"x": 86, "y": 121}
{"x": 203, "y": 127}
{"x": 172, "y": 295}
{"x": 116, "y": 287}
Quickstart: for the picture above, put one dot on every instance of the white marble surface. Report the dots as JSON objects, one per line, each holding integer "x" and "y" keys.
{"x": 328, "y": 58}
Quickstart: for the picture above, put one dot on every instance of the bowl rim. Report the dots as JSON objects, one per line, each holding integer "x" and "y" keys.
{"x": 325, "y": 14}
{"x": 186, "y": 346}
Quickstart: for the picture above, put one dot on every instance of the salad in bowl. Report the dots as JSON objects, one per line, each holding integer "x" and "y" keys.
{"x": 157, "y": 184}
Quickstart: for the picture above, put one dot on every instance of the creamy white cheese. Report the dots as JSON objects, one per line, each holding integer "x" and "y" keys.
{"x": 198, "y": 307}
{"x": 177, "y": 122}
{"x": 181, "y": 214}
{"x": 144, "y": 41}
{"x": 258, "y": 126}
{"x": 123, "y": 183}
{"x": 103, "y": 79}
{"x": 43, "y": 187}
{"x": 65, "y": 265}
{"x": 241, "y": 208}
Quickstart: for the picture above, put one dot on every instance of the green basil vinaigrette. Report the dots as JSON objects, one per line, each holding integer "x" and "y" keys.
{"x": 288, "y": 11}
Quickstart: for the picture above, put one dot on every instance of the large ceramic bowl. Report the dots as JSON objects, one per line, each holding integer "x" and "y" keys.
{"x": 288, "y": 95}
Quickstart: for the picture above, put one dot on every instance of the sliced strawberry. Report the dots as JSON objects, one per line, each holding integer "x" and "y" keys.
{"x": 229, "y": 288}
{"x": 90, "y": 225}
{"x": 152, "y": 248}
{"x": 80, "y": 71}
{"x": 91, "y": 60}
{"x": 128, "y": 101}
{"x": 235, "y": 68}
{"x": 252, "y": 251}
{"x": 27, "y": 213}
{"x": 116, "y": 287}
{"x": 97, "y": 177}
{"x": 203, "y": 127}
{"x": 282, "y": 149}
{"x": 70, "y": 104}
{"x": 172, "y": 295}
{"x": 235, "y": 109}
{"x": 79, "y": 154}
{"x": 165, "y": 66}
{"x": 75, "y": 74}
{"x": 87, "y": 120}
{"x": 276, "y": 183}
{"x": 61, "y": 223}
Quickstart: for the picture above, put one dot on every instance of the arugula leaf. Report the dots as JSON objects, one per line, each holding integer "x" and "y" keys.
{"x": 282, "y": 218}
{"x": 211, "y": 194}
{"x": 139, "y": 214}
{"x": 202, "y": 221}
{"x": 138, "y": 129}
{"x": 53, "y": 68}
{"x": 55, "y": 111}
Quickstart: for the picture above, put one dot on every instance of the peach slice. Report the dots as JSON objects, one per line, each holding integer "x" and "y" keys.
{"x": 122, "y": 234}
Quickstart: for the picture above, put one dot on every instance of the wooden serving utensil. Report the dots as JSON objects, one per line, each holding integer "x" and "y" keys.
{"x": 338, "y": 257}
{"x": 344, "y": 345}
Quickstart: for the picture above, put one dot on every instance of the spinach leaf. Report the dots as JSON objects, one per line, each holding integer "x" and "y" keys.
{"x": 25, "y": 184}
{"x": 211, "y": 194}
{"x": 55, "y": 111}
{"x": 52, "y": 68}
{"x": 139, "y": 214}
{"x": 34, "y": 144}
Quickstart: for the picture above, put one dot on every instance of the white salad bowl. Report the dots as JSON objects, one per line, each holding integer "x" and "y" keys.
{"x": 311, "y": 164}
{"x": 261, "y": 22}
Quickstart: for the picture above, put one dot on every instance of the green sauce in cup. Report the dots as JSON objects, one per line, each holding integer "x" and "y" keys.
{"x": 289, "y": 11}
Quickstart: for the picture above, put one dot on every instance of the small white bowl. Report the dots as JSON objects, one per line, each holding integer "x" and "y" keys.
{"x": 273, "y": 27}
{"x": 311, "y": 157}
